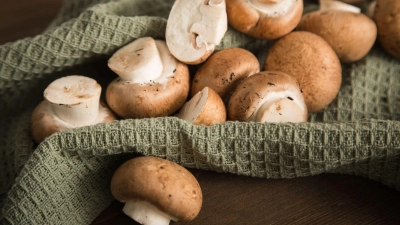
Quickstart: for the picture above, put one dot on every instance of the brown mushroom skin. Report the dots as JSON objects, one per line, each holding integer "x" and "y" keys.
{"x": 312, "y": 61}
{"x": 351, "y": 2}
{"x": 351, "y": 35}
{"x": 387, "y": 18}
{"x": 251, "y": 92}
{"x": 44, "y": 123}
{"x": 158, "y": 179}
{"x": 246, "y": 19}
{"x": 154, "y": 99}
{"x": 224, "y": 70}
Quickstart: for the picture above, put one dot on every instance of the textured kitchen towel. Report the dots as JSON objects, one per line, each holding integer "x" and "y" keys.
{"x": 65, "y": 180}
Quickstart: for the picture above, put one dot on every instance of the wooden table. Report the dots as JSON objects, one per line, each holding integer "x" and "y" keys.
{"x": 232, "y": 199}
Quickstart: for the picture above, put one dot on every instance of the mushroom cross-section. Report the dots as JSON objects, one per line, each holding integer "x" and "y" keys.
{"x": 195, "y": 28}
{"x": 70, "y": 102}
{"x": 268, "y": 96}
{"x": 156, "y": 191}
{"x": 264, "y": 19}
{"x": 151, "y": 82}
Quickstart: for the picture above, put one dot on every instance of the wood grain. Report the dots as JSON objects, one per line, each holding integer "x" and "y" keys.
{"x": 232, "y": 199}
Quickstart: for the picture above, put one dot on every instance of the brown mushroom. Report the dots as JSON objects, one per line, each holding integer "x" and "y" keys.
{"x": 195, "y": 28}
{"x": 350, "y": 33}
{"x": 224, "y": 70}
{"x": 268, "y": 96}
{"x": 312, "y": 61}
{"x": 387, "y": 18}
{"x": 264, "y": 19}
{"x": 70, "y": 102}
{"x": 156, "y": 191}
{"x": 151, "y": 83}
{"x": 205, "y": 107}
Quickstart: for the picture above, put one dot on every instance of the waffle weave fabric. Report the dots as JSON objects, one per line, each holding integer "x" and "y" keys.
{"x": 65, "y": 179}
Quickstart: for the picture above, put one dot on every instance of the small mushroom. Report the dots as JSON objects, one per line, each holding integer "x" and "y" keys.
{"x": 387, "y": 18}
{"x": 224, "y": 70}
{"x": 151, "y": 82}
{"x": 206, "y": 107}
{"x": 195, "y": 28}
{"x": 268, "y": 96}
{"x": 350, "y": 33}
{"x": 312, "y": 61}
{"x": 70, "y": 102}
{"x": 156, "y": 191}
{"x": 264, "y": 19}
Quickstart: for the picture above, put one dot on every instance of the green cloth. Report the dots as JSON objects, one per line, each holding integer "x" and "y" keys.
{"x": 65, "y": 180}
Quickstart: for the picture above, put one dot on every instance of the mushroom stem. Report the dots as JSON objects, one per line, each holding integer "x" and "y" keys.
{"x": 272, "y": 8}
{"x": 74, "y": 99}
{"x": 144, "y": 213}
{"x": 337, "y": 5}
{"x": 370, "y": 9}
{"x": 280, "y": 111}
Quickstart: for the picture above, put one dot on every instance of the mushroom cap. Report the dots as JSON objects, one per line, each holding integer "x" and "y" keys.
{"x": 195, "y": 28}
{"x": 224, "y": 70}
{"x": 153, "y": 98}
{"x": 164, "y": 184}
{"x": 387, "y": 19}
{"x": 312, "y": 61}
{"x": 264, "y": 19}
{"x": 351, "y": 35}
{"x": 268, "y": 88}
{"x": 206, "y": 108}
{"x": 45, "y": 123}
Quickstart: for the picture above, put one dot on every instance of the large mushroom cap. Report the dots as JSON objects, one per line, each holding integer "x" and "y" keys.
{"x": 165, "y": 185}
{"x": 312, "y": 61}
{"x": 268, "y": 96}
{"x": 70, "y": 102}
{"x": 147, "y": 92}
{"x": 194, "y": 28}
{"x": 224, "y": 70}
{"x": 264, "y": 19}
{"x": 387, "y": 18}
{"x": 350, "y": 34}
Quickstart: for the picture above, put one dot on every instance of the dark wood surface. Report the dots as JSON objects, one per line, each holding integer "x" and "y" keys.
{"x": 232, "y": 199}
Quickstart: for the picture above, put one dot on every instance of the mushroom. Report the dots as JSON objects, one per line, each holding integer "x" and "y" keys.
{"x": 350, "y": 33}
{"x": 264, "y": 19}
{"x": 268, "y": 96}
{"x": 312, "y": 61}
{"x": 69, "y": 102}
{"x": 205, "y": 107}
{"x": 224, "y": 70}
{"x": 387, "y": 18}
{"x": 151, "y": 82}
{"x": 156, "y": 191}
{"x": 195, "y": 28}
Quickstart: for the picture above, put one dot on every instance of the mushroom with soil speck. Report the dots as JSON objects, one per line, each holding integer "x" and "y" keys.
{"x": 70, "y": 102}
{"x": 151, "y": 82}
{"x": 156, "y": 191}
{"x": 268, "y": 96}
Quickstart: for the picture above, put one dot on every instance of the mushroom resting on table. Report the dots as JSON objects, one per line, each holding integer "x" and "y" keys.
{"x": 70, "y": 102}
{"x": 268, "y": 96}
{"x": 151, "y": 82}
{"x": 156, "y": 191}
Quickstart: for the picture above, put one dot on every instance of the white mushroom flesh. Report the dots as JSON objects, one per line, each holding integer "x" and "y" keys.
{"x": 191, "y": 109}
{"x": 144, "y": 61}
{"x": 139, "y": 61}
{"x": 271, "y": 8}
{"x": 279, "y": 107}
{"x": 195, "y": 27}
{"x": 337, "y": 5}
{"x": 145, "y": 213}
{"x": 74, "y": 99}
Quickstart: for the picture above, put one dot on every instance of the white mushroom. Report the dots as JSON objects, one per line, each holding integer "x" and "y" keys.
{"x": 156, "y": 191}
{"x": 70, "y": 102}
{"x": 152, "y": 82}
{"x": 195, "y": 28}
